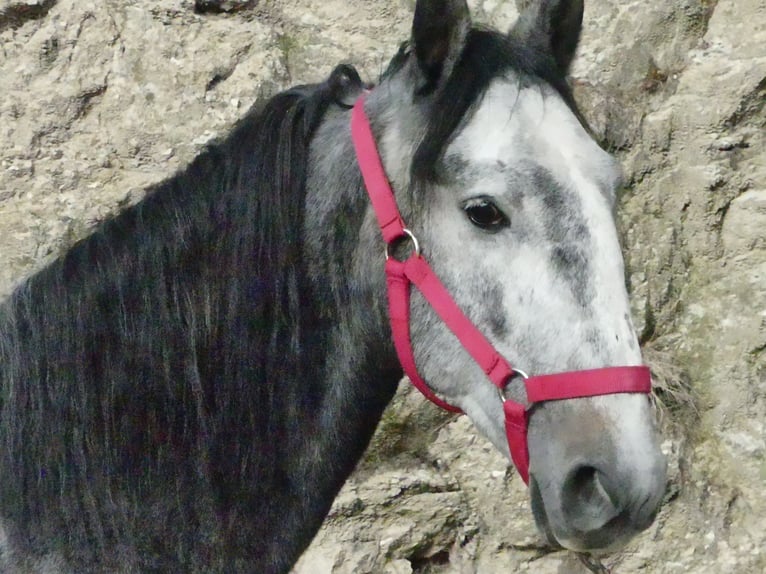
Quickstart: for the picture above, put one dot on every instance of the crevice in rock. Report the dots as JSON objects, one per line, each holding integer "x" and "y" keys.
{"x": 223, "y": 6}
{"x": 709, "y": 6}
{"x": 421, "y": 487}
{"x": 730, "y": 508}
{"x": 655, "y": 78}
{"x": 752, "y": 104}
{"x": 49, "y": 52}
{"x": 650, "y": 322}
{"x": 87, "y": 100}
{"x": 223, "y": 74}
{"x": 539, "y": 549}
{"x": 16, "y": 15}
{"x": 219, "y": 77}
{"x": 759, "y": 350}
{"x": 77, "y": 107}
{"x": 429, "y": 564}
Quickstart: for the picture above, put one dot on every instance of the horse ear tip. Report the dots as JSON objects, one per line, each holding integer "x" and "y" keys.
{"x": 554, "y": 25}
{"x": 433, "y": 15}
{"x": 439, "y": 29}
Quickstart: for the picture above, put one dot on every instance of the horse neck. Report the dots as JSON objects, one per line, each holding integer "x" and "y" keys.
{"x": 344, "y": 256}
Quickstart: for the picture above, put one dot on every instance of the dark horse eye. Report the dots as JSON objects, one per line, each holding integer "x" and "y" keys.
{"x": 485, "y": 214}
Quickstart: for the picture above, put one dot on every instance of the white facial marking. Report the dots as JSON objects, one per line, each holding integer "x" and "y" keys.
{"x": 553, "y": 320}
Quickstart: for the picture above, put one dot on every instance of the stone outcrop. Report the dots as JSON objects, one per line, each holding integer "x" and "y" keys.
{"x": 101, "y": 98}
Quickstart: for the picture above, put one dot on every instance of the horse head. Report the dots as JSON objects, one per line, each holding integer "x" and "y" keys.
{"x": 512, "y": 203}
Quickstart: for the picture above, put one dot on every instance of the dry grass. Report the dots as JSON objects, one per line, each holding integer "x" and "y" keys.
{"x": 676, "y": 401}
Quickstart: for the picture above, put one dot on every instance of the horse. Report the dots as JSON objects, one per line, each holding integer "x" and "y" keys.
{"x": 187, "y": 388}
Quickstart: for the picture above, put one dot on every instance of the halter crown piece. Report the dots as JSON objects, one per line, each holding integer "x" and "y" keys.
{"x": 415, "y": 270}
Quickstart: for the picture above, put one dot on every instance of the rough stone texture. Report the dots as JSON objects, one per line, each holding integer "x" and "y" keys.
{"x": 99, "y": 99}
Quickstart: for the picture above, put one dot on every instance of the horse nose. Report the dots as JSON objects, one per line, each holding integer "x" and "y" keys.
{"x": 595, "y": 502}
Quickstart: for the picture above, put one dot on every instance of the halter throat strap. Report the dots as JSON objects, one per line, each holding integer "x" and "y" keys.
{"x": 415, "y": 271}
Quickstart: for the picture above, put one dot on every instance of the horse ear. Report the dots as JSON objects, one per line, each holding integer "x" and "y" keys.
{"x": 552, "y": 25}
{"x": 439, "y": 30}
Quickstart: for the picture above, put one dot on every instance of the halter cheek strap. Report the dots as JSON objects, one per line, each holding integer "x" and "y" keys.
{"x": 415, "y": 270}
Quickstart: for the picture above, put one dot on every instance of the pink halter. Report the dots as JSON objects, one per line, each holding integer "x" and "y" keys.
{"x": 416, "y": 271}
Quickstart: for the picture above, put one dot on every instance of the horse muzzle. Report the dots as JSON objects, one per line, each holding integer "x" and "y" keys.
{"x": 596, "y": 482}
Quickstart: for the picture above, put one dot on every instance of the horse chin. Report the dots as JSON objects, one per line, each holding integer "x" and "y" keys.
{"x": 612, "y": 537}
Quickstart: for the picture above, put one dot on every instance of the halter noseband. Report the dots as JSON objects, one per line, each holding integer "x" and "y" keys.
{"x": 415, "y": 270}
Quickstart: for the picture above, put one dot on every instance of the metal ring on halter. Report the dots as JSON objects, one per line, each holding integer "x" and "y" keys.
{"x": 514, "y": 373}
{"x": 411, "y": 237}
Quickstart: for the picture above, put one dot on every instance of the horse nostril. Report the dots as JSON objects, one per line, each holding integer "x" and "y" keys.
{"x": 588, "y": 500}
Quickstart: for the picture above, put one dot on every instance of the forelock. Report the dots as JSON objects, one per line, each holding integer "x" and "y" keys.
{"x": 487, "y": 55}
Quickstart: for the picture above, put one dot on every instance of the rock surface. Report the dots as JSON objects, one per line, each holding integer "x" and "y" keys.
{"x": 99, "y": 99}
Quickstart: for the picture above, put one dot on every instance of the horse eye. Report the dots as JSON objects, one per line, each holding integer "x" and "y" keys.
{"x": 485, "y": 214}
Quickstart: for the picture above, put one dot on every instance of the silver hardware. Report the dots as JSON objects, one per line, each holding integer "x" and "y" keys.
{"x": 514, "y": 373}
{"x": 411, "y": 237}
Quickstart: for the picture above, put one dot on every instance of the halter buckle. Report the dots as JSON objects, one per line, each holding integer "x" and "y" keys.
{"x": 407, "y": 236}
{"x": 514, "y": 373}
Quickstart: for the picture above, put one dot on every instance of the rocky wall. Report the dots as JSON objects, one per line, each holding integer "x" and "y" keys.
{"x": 100, "y": 98}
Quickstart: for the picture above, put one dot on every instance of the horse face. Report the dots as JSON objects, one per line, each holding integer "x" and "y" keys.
{"x": 516, "y": 217}
{"x": 520, "y": 228}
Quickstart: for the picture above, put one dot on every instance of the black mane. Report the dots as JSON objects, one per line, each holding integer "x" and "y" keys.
{"x": 154, "y": 337}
